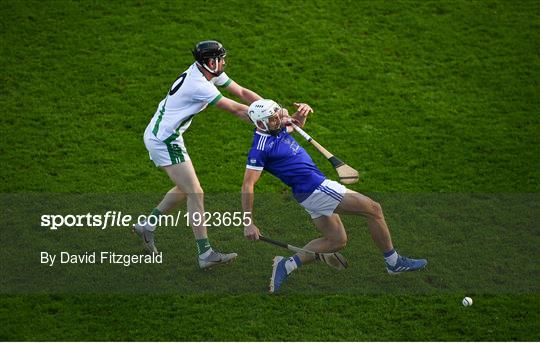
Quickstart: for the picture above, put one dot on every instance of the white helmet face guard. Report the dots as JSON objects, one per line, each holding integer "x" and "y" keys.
{"x": 261, "y": 111}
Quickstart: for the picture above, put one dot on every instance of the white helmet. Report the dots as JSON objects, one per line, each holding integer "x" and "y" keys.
{"x": 261, "y": 110}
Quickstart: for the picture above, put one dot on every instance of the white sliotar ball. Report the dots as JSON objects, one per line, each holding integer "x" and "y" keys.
{"x": 466, "y": 301}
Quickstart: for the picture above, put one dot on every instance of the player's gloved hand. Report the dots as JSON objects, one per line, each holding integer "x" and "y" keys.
{"x": 251, "y": 232}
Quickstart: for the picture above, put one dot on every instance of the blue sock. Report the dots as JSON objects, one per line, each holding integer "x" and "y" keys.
{"x": 297, "y": 260}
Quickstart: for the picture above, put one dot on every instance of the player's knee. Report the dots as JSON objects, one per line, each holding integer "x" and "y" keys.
{"x": 342, "y": 243}
{"x": 177, "y": 190}
{"x": 339, "y": 242}
{"x": 177, "y": 193}
{"x": 195, "y": 193}
{"x": 376, "y": 210}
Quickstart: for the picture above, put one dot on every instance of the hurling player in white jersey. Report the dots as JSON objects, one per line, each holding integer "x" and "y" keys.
{"x": 277, "y": 152}
{"x": 190, "y": 94}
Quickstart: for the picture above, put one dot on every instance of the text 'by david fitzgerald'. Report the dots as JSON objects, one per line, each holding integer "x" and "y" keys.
{"x": 99, "y": 257}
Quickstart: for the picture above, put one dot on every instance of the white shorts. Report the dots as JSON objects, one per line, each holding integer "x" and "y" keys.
{"x": 165, "y": 154}
{"x": 324, "y": 200}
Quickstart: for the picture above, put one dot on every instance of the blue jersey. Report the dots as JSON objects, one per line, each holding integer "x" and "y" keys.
{"x": 284, "y": 158}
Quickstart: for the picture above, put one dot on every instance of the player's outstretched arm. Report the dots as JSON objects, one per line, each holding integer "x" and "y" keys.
{"x": 236, "y": 108}
{"x": 251, "y": 177}
{"x": 248, "y": 96}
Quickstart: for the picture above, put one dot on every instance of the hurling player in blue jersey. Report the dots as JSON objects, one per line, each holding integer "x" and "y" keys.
{"x": 275, "y": 151}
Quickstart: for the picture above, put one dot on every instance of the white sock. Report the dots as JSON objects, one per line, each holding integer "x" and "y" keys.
{"x": 206, "y": 254}
{"x": 290, "y": 265}
{"x": 146, "y": 226}
{"x": 392, "y": 259}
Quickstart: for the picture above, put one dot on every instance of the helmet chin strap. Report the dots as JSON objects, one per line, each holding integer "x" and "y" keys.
{"x": 266, "y": 129}
{"x": 213, "y": 72}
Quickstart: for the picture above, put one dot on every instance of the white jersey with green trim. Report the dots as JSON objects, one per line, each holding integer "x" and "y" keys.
{"x": 189, "y": 94}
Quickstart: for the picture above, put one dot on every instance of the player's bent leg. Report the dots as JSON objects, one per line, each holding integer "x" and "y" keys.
{"x": 334, "y": 239}
{"x": 356, "y": 203}
{"x": 185, "y": 178}
{"x": 172, "y": 157}
{"x": 359, "y": 204}
{"x": 161, "y": 154}
{"x": 334, "y": 235}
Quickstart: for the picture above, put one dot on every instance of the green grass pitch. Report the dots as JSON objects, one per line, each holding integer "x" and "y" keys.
{"x": 435, "y": 102}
